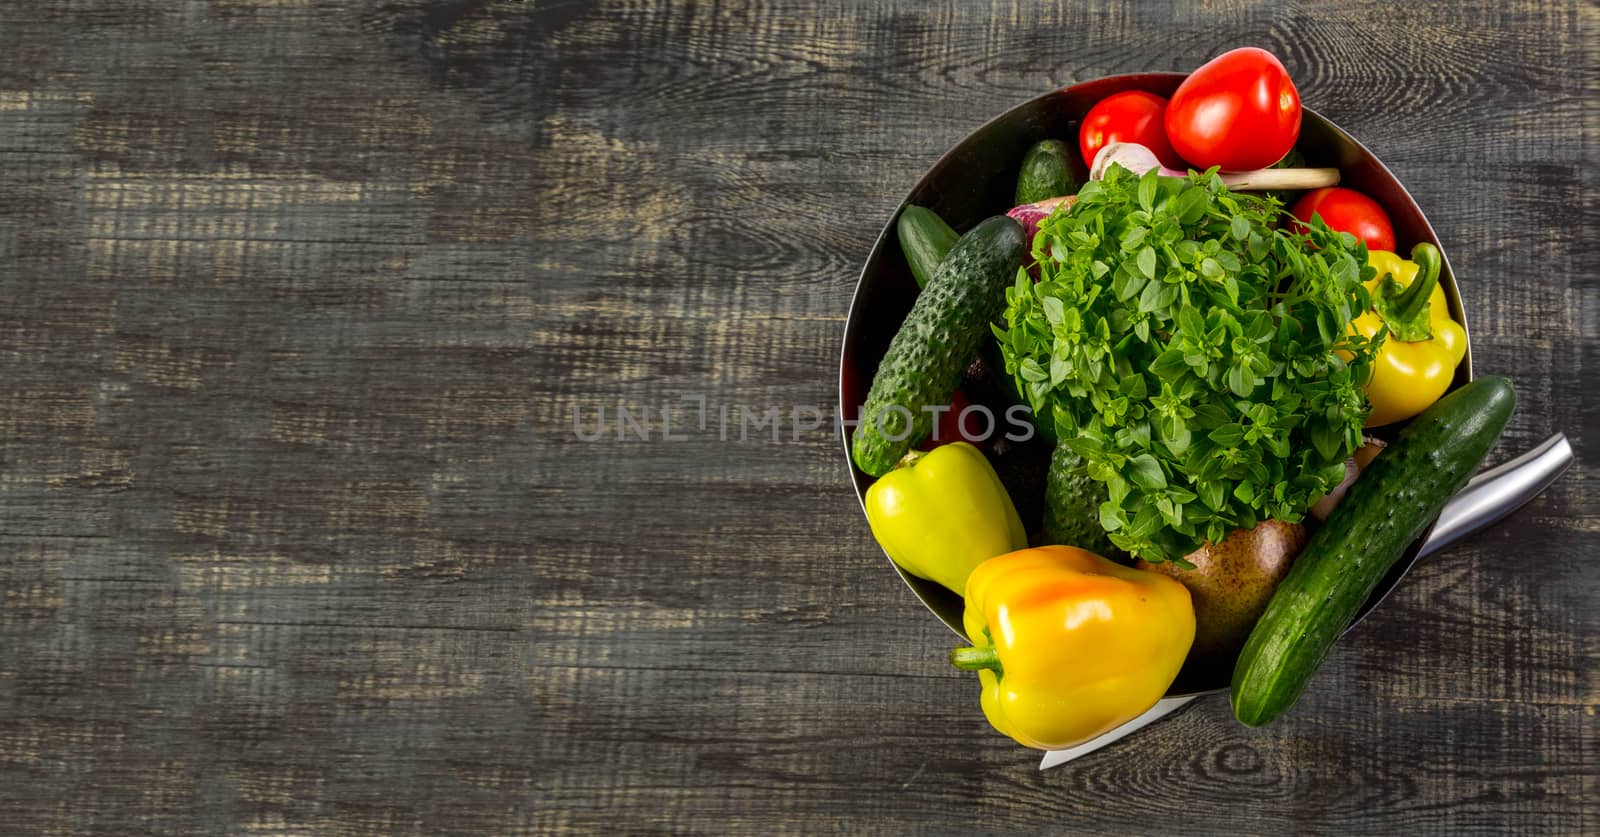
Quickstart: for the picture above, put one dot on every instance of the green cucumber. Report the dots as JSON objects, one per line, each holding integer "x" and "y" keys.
{"x": 925, "y": 239}
{"x": 1396, "y": 498}
{"x": 1046, "y": 173}
{"x": 1072, "y": 505}
{"x": 924, "y": 362}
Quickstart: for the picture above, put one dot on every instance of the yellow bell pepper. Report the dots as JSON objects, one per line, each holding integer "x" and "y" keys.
{"x": 1069, "y": 645}
{"x": 941, "y": 513}
{"x": 1424, "y": 346}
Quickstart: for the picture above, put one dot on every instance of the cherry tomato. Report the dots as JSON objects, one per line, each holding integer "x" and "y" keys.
{"x": 1129, "y": 116}
{"x": 1239, "y": 111}
{"x": 1347, "y": 210}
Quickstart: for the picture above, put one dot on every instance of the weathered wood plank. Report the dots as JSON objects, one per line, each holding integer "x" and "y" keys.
{"x": 298, "y": 300}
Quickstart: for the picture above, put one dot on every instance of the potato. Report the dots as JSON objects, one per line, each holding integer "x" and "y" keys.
{"x": 1232, "y": 581}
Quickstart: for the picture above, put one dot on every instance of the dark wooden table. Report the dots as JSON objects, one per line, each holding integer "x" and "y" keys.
{"x": 298, "y": 300}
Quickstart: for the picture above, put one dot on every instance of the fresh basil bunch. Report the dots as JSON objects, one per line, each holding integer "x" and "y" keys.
{"x": 1197, "y": 355}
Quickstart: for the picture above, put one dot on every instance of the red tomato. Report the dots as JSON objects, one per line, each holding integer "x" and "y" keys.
{"x": 1347, "y": 210}
{"x": 1130, "y": 116}
{"x": 1239, "y": 111}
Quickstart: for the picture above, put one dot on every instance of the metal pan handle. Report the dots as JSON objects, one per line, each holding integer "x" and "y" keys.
{"x": 1498, "y": 492}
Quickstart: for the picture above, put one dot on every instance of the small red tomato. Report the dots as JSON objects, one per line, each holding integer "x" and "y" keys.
{"x": 1239, "y": 111}
{"x": 1347, "y": 210}
{"x": 1129, "y": 116}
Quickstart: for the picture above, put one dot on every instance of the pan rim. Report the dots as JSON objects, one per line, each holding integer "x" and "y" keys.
{"x": 1132, "y": 81}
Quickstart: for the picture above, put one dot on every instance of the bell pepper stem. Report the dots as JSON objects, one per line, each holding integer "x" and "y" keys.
{"x": 976, "y": 657}
{"x": 1405, "y": 310}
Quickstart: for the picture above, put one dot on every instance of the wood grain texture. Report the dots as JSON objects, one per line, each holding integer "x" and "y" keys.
{"x": 298, "y": 299}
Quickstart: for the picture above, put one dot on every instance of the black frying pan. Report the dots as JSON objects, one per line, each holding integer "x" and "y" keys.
{"x": 975, "y": 180}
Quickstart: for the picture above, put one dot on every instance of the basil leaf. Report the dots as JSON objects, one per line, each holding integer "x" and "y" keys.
{"x": 1147, "y": 262}
{"x": 1111, "y": 518}
{"x": 1211, "y": 495}
{"x": 1169, "y": 365}
{"x": 1147, "y": 189}
{"x": 1227, "y": 435}
{"x": 1053, "y": 308}
{"x": 1145, "y": 472}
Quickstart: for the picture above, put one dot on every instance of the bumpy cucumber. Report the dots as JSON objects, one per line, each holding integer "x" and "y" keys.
{"x": 1046, "y": 172}
{"x": 1072, "y": 505}
{"x": 1398, "y": 495}
{"x": 925, "y": 239}
{"x": 938, "y": 339}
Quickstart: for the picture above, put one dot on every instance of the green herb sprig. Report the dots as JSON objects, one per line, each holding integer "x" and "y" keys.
{"x": 1196, "y": 355}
